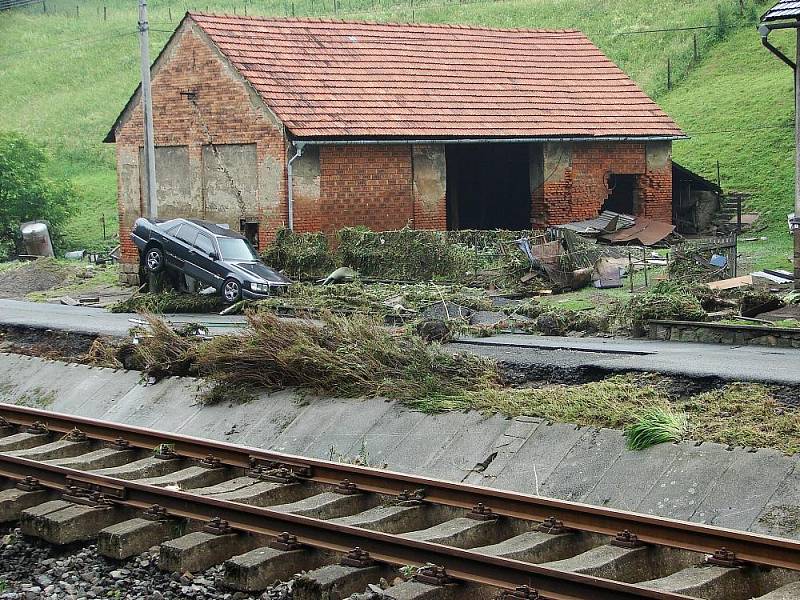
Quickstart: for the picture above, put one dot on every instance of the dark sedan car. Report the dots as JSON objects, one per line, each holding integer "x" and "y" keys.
{"x": 208, "y": 253}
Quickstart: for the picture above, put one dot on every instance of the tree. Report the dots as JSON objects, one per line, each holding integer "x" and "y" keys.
{"x": 26, "y": 194}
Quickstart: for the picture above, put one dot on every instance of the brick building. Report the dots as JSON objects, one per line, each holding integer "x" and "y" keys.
{"x": 262, "y": 123}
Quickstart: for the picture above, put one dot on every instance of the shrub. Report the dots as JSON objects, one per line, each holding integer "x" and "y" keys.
{"x": 27, "y": 195}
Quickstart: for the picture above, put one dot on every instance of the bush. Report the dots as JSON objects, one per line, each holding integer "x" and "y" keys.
{"x": 663, "y": 301}
{"x": 300, "y": 255}
{"x": 27, "y": 195}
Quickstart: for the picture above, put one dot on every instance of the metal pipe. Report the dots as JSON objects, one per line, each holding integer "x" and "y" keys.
{"x": 643, "y": 138}
{"x": 764, "y": 29}
{"x": 147, "y": 110}
{"x": 290, "y": 192}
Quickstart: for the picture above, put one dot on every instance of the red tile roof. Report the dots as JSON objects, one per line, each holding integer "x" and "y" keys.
{"x": 374, "y": 80}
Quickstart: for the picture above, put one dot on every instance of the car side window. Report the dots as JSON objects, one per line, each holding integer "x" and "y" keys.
{"x": 174, "y": 229}
{"x": 187, "y": 234}
{"x": 204, "y": 243}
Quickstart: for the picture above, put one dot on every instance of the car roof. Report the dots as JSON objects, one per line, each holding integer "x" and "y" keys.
{"x": 215, "y": 229}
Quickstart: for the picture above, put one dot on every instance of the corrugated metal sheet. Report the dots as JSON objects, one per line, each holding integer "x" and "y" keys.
{"x": 785, "y": 9}
{"x": 604, "y": 223}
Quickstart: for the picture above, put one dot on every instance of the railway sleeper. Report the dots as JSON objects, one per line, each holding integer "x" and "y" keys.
{"x": 256, "y": 570}
{"x": 261, "y": 493}
{"x": 14, "y": 501}
{"x": 60, "y": 522}
{"x": 23, "y": 441}
{"x": 465, "y": 532}
{"x": 53, "y": 450}
{"x": 199, "y": 550}
{"x": 712, "y": 582}
{"x": 329, "y": 505}
{"x": 143, "y": 468}
{"x": 417, "y": 590}
{"x": 785, "y": 592}
{"x": 102, "y": 458}
{"x": 188, "y": 478}
{"x": 336, "y": 582}
{"x": 630, "y": 565}
{"x": 539, "y": 547}
{"x": 399, "y": 519}
{"x": 134, "y": 536}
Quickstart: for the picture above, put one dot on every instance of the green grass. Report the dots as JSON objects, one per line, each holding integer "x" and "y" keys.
{"x": 738, "y": 107}
{"x": 656, "y": 425}
{"x": 64, "y": 79}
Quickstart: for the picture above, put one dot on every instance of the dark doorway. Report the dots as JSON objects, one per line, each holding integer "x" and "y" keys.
{"x": 622, "y": 194}
{"x": 488, "y": 186}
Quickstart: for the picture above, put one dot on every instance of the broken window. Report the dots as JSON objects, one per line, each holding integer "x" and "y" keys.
{"x": 249, "y": 229}
{"x": 488, "y": 186}
{"x": 622, "y": 194}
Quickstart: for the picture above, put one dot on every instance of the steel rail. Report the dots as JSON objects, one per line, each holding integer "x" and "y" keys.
{"x": 749, "y": 547}
{"x": 387, "y": 548}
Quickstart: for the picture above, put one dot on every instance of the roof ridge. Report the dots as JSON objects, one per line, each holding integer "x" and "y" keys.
{"x": 193, "y": 13}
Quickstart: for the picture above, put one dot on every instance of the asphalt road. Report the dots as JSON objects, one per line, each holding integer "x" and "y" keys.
{"x": 93, "y": 321}
{"x": 733, "y": 363}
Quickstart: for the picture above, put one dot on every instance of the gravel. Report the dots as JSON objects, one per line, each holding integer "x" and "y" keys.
{"x": 33, "y": 570}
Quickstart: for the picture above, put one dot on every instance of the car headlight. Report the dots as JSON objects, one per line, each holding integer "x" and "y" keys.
{"x": 260, "y": 287}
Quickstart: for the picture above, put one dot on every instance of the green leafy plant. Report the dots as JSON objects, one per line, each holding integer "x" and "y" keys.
{"x": 656, "y": 425}
{"x": 26, "y": 194}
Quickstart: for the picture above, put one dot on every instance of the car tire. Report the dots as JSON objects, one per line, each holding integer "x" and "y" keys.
{"x": 231, "y": 290}
{"x": 154, "y": 259}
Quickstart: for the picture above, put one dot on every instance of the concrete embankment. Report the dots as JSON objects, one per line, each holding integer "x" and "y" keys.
{"x": 708, "y": 483}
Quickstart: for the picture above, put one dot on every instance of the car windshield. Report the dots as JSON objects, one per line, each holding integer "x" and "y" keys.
{"x": 236, "y": 249}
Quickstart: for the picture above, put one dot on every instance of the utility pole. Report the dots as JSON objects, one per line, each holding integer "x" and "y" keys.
{"x": 795, "y": 223}
{"x": 147, "y": 108}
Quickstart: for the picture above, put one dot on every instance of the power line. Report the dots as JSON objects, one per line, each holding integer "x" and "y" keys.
{"x": 94, "y": 38}
{"x": 667, "y": 30}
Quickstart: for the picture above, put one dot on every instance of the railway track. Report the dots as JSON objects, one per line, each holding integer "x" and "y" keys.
{"x": 267, "y": 516}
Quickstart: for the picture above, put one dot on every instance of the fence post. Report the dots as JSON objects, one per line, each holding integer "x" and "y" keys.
{"x": 44, "y": 6}
{"x": 77, "y": 11}
{"x": 669, "y": 74}
{"x": 105, "y": 13}
{"x": 694, "y": 44}
{"x": 293, "y": 8}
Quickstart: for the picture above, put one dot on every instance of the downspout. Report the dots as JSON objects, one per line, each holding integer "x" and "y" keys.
{"x": 290, "y": 192}
{"x": 764, "y": 30}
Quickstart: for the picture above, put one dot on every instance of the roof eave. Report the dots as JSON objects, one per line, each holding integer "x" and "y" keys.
{"x": 359, "y": 140}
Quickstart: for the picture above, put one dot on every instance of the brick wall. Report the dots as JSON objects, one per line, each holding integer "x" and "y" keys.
{"x": 367, "y": 185}
{"x": 576, "y": 185}
{"x": 226, "y": 112}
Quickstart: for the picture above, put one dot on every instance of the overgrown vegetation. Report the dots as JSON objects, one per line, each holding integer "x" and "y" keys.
{"x": 665, "y": 300}
{"x": 27, "y": 194}
{"x": 355, "y": 357}
{"x": 169, "y": 302}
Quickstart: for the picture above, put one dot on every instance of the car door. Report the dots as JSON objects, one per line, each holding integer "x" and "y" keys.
{"x": 171, "y": 245}
{"x": 205, "y": 265}
{"x": 182, "y": 246}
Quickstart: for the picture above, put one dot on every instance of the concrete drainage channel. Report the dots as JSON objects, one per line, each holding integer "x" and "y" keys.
{"x": 345, "y": 529}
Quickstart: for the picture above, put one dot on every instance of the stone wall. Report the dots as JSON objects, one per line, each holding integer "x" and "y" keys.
{"x": 720, "y": 333}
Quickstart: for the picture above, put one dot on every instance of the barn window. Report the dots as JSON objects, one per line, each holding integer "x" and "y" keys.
{"x": 622, "y": 194}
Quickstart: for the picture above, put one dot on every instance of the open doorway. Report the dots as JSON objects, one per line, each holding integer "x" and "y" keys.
{"x": 622, "y": 194}
{"x": 488, "y": 186}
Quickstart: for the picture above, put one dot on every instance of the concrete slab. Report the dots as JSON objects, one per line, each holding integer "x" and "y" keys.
{"x": 503, "y": 450}
{"x": 388, "y": 433}
{"x": 467, "y": 448}
{"x": 680, "y": 489}
{"x": 736, "y": 498}
{"x": 786, "y": 592}
{"x": 308, "y": 424}
{"x": 329, "y": 505}
{"x": 145, "y": 467}
{"x": 54, "y": 450}
{"x": 262, "y": 426}
{"x": 723, "y": 583}
{"x": 73, "y": 523}
{"x": 197, "y": 551}
{"x": 538, "y": 458}
{"x": 23, "y": 441}
{"x": 414, "y": 590}
{"x": 259, "y": 568}
{"x": 188, "y": 478}
{"x": 538, "y": 547}
{"x": 780, "y": 515}
{"x": 266, "y": 493}
{"x": 585, "y": 464}
{"x": 342, "y": 438}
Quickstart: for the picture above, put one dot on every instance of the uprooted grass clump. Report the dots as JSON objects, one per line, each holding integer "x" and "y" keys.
{"x": 656, "y": 425}
{"x": 168, "y": 302}
{"x": 345, "y": 357}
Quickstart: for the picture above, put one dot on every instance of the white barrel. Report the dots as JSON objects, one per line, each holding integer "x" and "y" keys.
{"x": 36, "y": 239}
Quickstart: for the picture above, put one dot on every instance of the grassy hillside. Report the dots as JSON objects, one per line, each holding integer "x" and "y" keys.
{"x": 65, "y": 75}
{"x": 738, "y": 106}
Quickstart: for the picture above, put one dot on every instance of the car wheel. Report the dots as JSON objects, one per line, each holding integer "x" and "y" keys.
{"x": 231, "y": 291}
{"x": 154, "y": 259}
